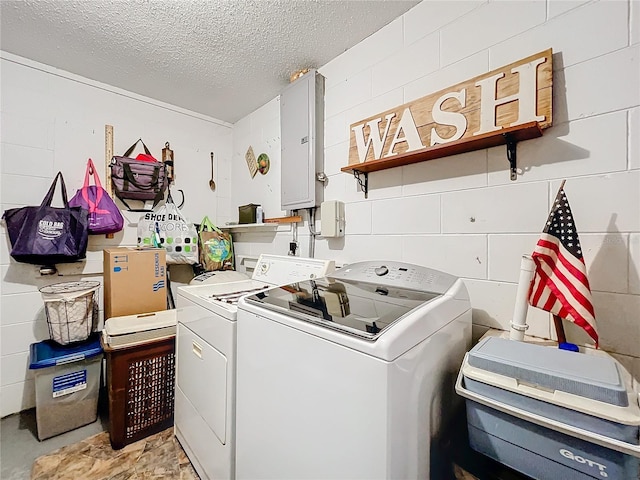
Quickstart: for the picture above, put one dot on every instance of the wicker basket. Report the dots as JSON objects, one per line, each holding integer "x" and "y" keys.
{"x": 141, "y": 382}
{"x": 72, "y": 310}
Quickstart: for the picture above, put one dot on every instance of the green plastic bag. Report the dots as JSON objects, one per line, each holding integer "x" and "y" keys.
{"x": 215, "y": 246}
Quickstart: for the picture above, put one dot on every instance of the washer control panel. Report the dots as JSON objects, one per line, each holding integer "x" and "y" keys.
{"x": 396, "y": 274}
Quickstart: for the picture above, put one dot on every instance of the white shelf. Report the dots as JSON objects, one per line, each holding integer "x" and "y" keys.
{"x": 247, "y": 227}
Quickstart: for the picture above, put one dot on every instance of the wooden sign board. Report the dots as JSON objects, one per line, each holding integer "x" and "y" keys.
{"x": 513, "y": 95}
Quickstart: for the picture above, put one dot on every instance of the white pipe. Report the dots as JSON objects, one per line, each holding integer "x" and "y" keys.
{"x": 519, "y": 322}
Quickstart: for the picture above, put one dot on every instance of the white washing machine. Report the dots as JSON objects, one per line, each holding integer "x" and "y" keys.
{"x": 206, "y": 346}
{"x": 350, "y": 376}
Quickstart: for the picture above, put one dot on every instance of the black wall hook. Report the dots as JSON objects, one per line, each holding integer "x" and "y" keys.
{"x": 511, "y": 154}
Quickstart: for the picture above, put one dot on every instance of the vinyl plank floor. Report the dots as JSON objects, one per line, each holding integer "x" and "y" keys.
{"x": 158, "y": 456}
{"x": 86, "y": 453}
{"x": 19, "y": 444}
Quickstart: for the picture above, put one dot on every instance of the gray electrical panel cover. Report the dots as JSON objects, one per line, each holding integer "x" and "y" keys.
{"x": 302, "y": 142}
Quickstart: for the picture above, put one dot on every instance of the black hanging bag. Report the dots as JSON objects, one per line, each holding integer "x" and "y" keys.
{"x": 142, "y": 178}
{"x": 47, "y": 235}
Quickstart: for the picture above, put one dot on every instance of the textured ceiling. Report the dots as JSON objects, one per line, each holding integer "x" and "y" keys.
{"x": 222, "y": 58}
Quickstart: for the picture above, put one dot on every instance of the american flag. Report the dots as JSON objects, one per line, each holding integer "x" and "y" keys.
{"x": 560, "y": 285}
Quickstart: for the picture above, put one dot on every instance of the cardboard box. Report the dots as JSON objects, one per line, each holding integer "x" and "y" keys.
{"x": 134, "y": 281}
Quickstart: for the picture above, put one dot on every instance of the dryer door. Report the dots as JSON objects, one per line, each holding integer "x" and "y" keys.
{"x": 202, "y": 376}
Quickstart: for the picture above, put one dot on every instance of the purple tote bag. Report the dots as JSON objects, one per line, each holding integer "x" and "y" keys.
{"x": 104, "y": 214}
{"x": 47, "y": 235}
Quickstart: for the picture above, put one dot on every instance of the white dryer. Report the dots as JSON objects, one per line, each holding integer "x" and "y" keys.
{"x": 206, "y": 346}
{"x": 350, "y": 376}
{"x": 217, "y": 277}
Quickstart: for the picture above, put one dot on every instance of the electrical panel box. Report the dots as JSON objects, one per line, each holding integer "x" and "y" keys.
{"x": 332, "y": 218}
{"x": 302, "y": 142}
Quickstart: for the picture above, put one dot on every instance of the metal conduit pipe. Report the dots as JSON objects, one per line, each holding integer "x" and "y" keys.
{"x": 312, "y": 232}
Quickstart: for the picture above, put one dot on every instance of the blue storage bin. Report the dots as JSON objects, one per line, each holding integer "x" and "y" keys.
{"x": 67, "y": 384}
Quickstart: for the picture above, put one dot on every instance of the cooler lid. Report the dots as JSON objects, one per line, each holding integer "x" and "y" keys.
{"x": 139, "y": 323}
{"x": 48, "y": 353}
{"x": 589, "y": 376}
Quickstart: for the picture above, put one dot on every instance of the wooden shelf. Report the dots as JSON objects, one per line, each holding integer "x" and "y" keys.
{"x": 292, "y": 219}
{"x": 506, "y": 136}
{"x": 246, "y": 227}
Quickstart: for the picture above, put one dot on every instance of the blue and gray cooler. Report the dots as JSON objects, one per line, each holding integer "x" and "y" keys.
{"x": 549, "y": 413}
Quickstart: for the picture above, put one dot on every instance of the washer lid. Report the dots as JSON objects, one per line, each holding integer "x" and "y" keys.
{"x": 361, "y": 309}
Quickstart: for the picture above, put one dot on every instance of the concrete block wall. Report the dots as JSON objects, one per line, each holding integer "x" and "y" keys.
{"x": 462, "y": 214}
{"x": 52, "y": 120}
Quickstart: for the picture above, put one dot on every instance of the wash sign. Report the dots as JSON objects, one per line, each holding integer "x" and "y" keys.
{"x": 516, "y": 94}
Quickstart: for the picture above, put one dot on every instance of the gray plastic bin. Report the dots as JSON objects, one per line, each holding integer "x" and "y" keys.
{"x": 67, "y": 384}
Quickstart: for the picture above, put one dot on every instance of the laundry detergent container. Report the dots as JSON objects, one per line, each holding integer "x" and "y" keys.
{"x": 550, "y": 413}
{"x": 67, "y": 384}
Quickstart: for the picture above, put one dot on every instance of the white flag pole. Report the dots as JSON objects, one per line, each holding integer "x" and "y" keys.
{"x": 519, "y": 321}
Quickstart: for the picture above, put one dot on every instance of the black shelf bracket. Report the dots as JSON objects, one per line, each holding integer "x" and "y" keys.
{"x": 364, "y": 183}
{"x": 511, "y": 154}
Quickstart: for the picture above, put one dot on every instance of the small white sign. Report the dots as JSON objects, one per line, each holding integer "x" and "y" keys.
{"x": 69, "y": 383}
